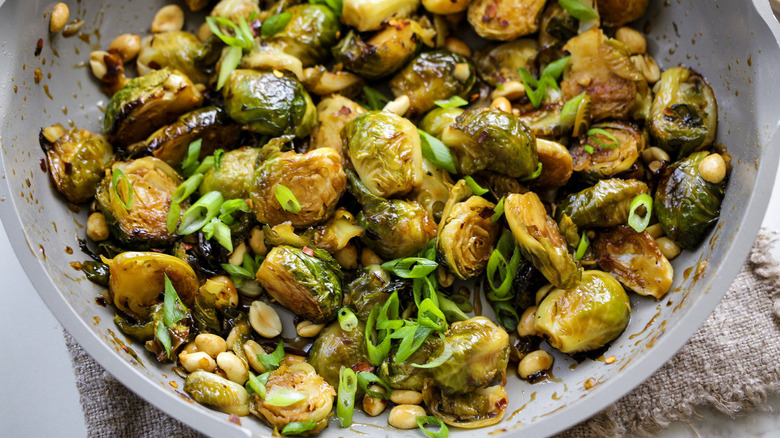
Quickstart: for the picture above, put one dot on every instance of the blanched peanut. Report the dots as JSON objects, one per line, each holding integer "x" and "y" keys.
{"x": 257, "y": 241}
{"x": 655, "y": 154}
{"x": 444, "y": 276}
{"x": 347, "y": 256}
{"x": 647, "y": 66}
{"x": 655, "y": 231}
{"x": 512, "y": 90}
{"x": 126, "y": 46}
{"x": 167, "y": 19}
{"x": 197, "y": 361}
{"x": 455, "y": 45}
{"x": 237, "y": 256}
{"x": 204, "y": 32}
{"x": 713, "y": 168}
{"x": 406, "y": 397}
{"x": 264, "y": 319}
{"x": 526, "y": 326}
{"x": 189, "y": 348}
{"x": 634, "y": 40}
{"x": 59, "y": 17}
{"x": 308, "y": 329}
{"x": 533, "y": 363}
{"x": 502, "y": 103}
{"x": 368, "y": 257}
{"x": 252, "y": 349}
{"x": 462, "y": 72}
{"x": 399, "y": 106}
{"x": 405, "y": 416}
{"x": 97, "y": 229}
{"x": 234, "y": 368}
{"x": 210, "y": 344}
{"x": 668, "y": 248}
{"x": 98, "y": 64}
{"x": 374, "y": 406}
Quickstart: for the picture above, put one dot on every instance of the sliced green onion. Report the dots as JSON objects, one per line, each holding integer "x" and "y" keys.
{"x": 593, "y": 132}
{"x": 184, "y": 191}
{"x": 529, "y": 82}
{"x": 365, "y": 379}
{"x": 429, "y": 252}
{"x": 498, "y": 266}
{"x": 272, "y": 361}
{"x": 570, "y": 108}
{"x": 376, "y": 100}
{"x": 636, "y": 219}
{"x": 256, "y": 385}
{"x": 578, "y": 10}
{"x": 376, "y": 353}
{"x": 410, "y": 267}
{"x": 204, "y": 166}
{"x": 410, "y": 344}
{"x": 452, "y": 102}
{"x": 298, "y": 427}
{"x": 174, "y": 213}
{"x": 200, "y": 213}
{"x": 219, "y": 154}
{"x": 119, "y": 175}
{"x": 452, "y": 311}
{"x": 219, "y": 231}
{"x": 534, "y": 175}
{"x": 423, "y": 421}
{"x": 275, "y": 24}
{"x": 345, "y": 404}
{"x": 347, "y": 320}
{"x": 287, "y": 199}
{"x": 243, "y": 35}
{"x": 555, "y": 69}
{"x": 285, "y": 397}
{"x": 476, "y": 188}
{"x": 589, "y": 149}
{"x": 436, "y": 152}
{"x": 191, "y": 160}
{"x": 237, "y": 271}
{"x": 582, "y": 247}
{"x": 173, "y": 309}
{"x": 164, "y": 337}
{"x": 229, "y": 207}
{"x": 498, "y": 211}
{"x": 431, "y": 316}
{"x": 441, "y": 358}
{"x": 229, "y": 63}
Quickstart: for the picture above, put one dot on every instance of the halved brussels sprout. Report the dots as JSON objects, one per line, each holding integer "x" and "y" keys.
{"x": 178, "y": 332}
{"x": 318, "y": 80}
{"x": 335, "y": 348}
{"x": 137, "y": 281}
{"x": 686, "y": 204}
{"x": 684, "y": 114}
{"x": 269, "y": 105}
{"x": 544, "y": 121}
{"x": 402, "y": 375}
{"x": 217, "y": 392}
{"x": 615, "y": 13}
{"x": 232, "y": 9}
{"x": 557, "y": 164}
{"x": 315, "y": 178}
{"x": 439, "y": 119}
{"x": 586, "y": 317}
{"x": 500, "y": 63}
{"x": 371, "y": 287}
{"x": 467, "y": 235}
{"x": 480, "y": 353}
{"x": 152, "y": 183}
{"x": 214, "y": 297}
{"x": 488, "y": 138}
{"x": 234, "y": 177}
{"x": 393, "y": 228}
{"x": 307, "y": 281}
{"x": 263, "y": 57}
{"x": 333, "y": 113}
{"x": 539, "y": 239}
{"x": 433, "y": 76}
{"x": 385, "y": 151}
{"x": 146, "y": 103}
{"x": 505, "y": 20}
{"x": 635, "y": 260}
{"x": 210, "y": 124}
{"x": 557, "y": 27}
{"x": 384, "y": 53}
{"x": 365, "y": 15}
{"x": 433, "y": 191}
{"x": 484, "y": 407}
{"x": 606, "y": 204}
{"x": 605, "y": 162}
{"x": 175, "y": 49}
{"x": 336, "y": 233}
{"x": 309, "y": 35}
{"x": 76, "y": 159}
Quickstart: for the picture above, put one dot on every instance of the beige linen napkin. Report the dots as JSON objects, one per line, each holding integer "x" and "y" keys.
{"x": 731, "y": 363}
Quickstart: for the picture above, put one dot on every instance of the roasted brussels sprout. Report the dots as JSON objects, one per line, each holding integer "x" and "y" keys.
{"x": 685, "y": 203}
{"x": 684, "y": 114}
{"x": 505, "y": 20}
{"x": 433, "y": 191}
{"x": 438, "y": 119}
{"x": 557, "y": 164}
{"x": 176, "y": 49}
{"x": 232, "y": 9}
{"x": 309, "y": 35}
{"x": 371, "y": 286}
{"x": 488, "y": 138}
{"x": 545, "y": 121}
{"x": 210, "y": 124}
{"x": 333, "y": 113}
{"x": 466, "y": 235}
{"x": 384, "y": 53}
{"x": 393, "y": 228}
{"x": 606, "y": 204}
{"x": 318, "y": 80}
{"x": 557, "y": 27}
{"x": 615, "y": 13}
{"x": 365, "y": 15}
{"x": 300, "y": 378}
{"x": 635, "y": 260}
{"x": 500, "y": 63}
{"x": 385, "y": 151}
{"x": 484, "y": 407}
{"x": 151, "y": 185}
{"x": 76, "y": 159}
{"x": 336, "y": 233}
{"x": 445, "y": 7}
{"x": 234, "y": 176}
{"x": 269, "y": 105}
{"x": 480, "y": 353}
{"x": 402, "y": 375}
{"x": 539, "y": 239}
{"x": 432, "y": 76}
{"x": 263, "y": 57}
{"x": 585, "y": 317}
{"x": 608, "y": 158}
{"x": 137, "y": 281}
{"x": 217, "y": 392}
{"x": 146, "y": 103}
{"x": 335, "y": 348}
{"x": 307, "y": 281}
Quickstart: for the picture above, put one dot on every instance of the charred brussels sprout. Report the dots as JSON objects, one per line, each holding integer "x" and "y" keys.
{"x": 152, "y": 183}
{"x": 499, "y": 64}
{"x": 491, "y": 139}
{"x": 615, "y": 13}
{"x": 433, "y": 191}
{"x": 232, "y": 9}
{"x": 685, "y": 203}
{"x": 176, "y": 49}
{"x": 480, "y": 353}
{"x": 586, "y": 317}
{"x": 544, "y": 121}
{"x": 335, "y": 348}
{"x": 372, "y": 286}
{"x": 433, "y": 76}
{"x": 217, "y": 392}
{"x": 557, "y": 164}
{"x": 402, "y": 375}
{"x": 684, "y": 114}
{"x": 539, "y": 239}
{"x": 385, "y": 151}
{"x": 234, "y": 177}
{"x": 309, "y": 35}
{"x": 635, "y": 260}
{"x": 484, "y": 407}
{"x": 146, "y": 103}
{"x": 264, "y": 57}
{"x": 306, "y": 281}
{"x": 608, "y": 158}
{"x": 505, "y": 20}
{"x": 315, "y": 178}
{"x": 76, "y": 159}
{"x": 438, "y": 119}
{"x": 269, "y": 105}
{"x": 336, "y": 233}
{"x": 606, "y": 204}
{"x": 333, "y": 113}
{"x": 365, "y": 15}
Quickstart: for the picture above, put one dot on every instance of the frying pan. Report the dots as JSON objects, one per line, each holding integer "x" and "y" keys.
{"x": 734, "y": 44}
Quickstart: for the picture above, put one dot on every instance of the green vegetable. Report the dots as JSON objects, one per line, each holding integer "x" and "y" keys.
{"x": 287, "y": 199}
{"x": 637, "y": 219}
{"x": 476, "y": 188}
{"x": 441, "y": 432}
{"x": 284, "y": 397}
{"x": 271, "y": 361}
{"x": 582, "y": 247}
{"x": 217, "y": 392}
{"x": 119, "y": 194}
{"x": 347, "y": 319}
{"x": 275, "y": 24}
{"x": 298, "y": 427}
{"x": 410, "y": 267}
{"x": 365, "y": 379}
{"x": 375, "y": 100}
{"x": 578, "y": 10}
{"x": 436, "y": 152}
{"x": 606, "y": 204}
{"x": 452, "y": 102}
{"x": 200, "y": 213}
{"x": 501, "y": 269}
{"x": 347, "y": 388}
{"x": 335, "y": 348}
{"x": 308, "y": 33}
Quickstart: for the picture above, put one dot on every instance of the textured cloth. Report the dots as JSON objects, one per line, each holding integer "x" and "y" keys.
{"x": 731, "y": 363}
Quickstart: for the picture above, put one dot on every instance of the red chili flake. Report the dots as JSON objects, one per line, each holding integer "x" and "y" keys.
{"x": 308, "y": 251}
{"x": 39, "y": 47}
{"x": 234, "y": 419}
{"x": 344, "y": 111}
{"x": 482, "y": 136}
{"x": 669, "y": 112}
{"x": 490, "y": 12}
{"x": 362, "y": 367}
{"x": 503, "y": 22}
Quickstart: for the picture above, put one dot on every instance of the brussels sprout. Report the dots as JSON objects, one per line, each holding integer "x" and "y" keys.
{"x": 505, "y": 20}
{"x": 371, "y": 287}
{"x": 269, "y": 105}
{"x": 175, "y": 49}
{"x": 232, "y": 9}
{"x": 76, "y": 159}
{"x": 684, "y": 114}
{"x": 300, "y": 378}
{"x": 557, "y": 164}
{"x": 605, "y": 162}
{"x": 137, "y": 281}
{"x": 306, "y": 281}
{"x": 146, "y": 103}
{"x": 685, "y": 203}
{"x": 557, "y": 26}
{"x": 210, "y": 124}
{"x": 586, "y": 317}
{"x": 466, "y": 235}
{"x": 615, "y": 13}
{"x": 153, "y": 183}
{"x": 445, "y": 7}
{"x": 544, "y": 121}
{"x": 488, "y": 138}
{"x": 139, "y": 331}
{"x": 333, "y": 113}
{"x": 402, "y": 375}
{"x": 234, "y": 177}
{"x": 96, "y": 272}
{"x": 217, "y": 392}
{"x": 480, "y": 353}
{"x": 606, "y": 204}
{"x": 214, "y": 296}
{"x": 484, "y": 407}
{"x": 318, "y": 80}
{"x": 433, "y": 191}
{"x": 539, "y": 239}
{"x": 500, "y": 63}
{"x": 264, "y": 57}
{"x": 385, "y": 151}
{"x": 635, "y": 260}
{"x": 336, "y": 233}
{"x": 393, "y": 228}
{"x": 433, "y": 76}
{"x": 335, "y": 348}
{"x": 384, "y": 53}
{"x": 315, "y": 178}
{"x": 365, "y": 15}
{"x": 438, "y": 119}
{"x": 309, "y": 35}
{"x": 178, "y": 332}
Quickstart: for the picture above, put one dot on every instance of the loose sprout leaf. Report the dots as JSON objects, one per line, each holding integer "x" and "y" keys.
{"x": 298, "y": 427}
{"x": 190, "y": 162}
{"x": 347, "y": 319}
{"x": 534, "y": 175}
{"x": 440, "y": 359}
{"x": 555, "y": 69}
{"x": 219, "y": 154}
{"x": 287, "y": 199}
{"x": 637, "y": 219}
{"x": 453, "y": 102}
{"x": 578, "y": 10}
{"x": 498, "y": 211}
{"x": 116, "y": 177}
{"x": 375, "y": 100}
{"x": 441, "y": 432}
{"x": 230, "y": 63}
{"x": 173, "y": 309}
{"x": 200, "y": 213}
{"x": 436, "y": 152}
{"x": 593, "y": 132}
{"x": 345, "y": 404}
{"x": 275, "y": 24}
{"x": 410, "y": 267}
{"x": 476, "y": 188}
{"x": 272, "y": 361}
{"x": 285, "y": 397}
{"x": 365, "y": 379}
{"x": 164, "y": 337}
{"x": 582, "y": 247}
